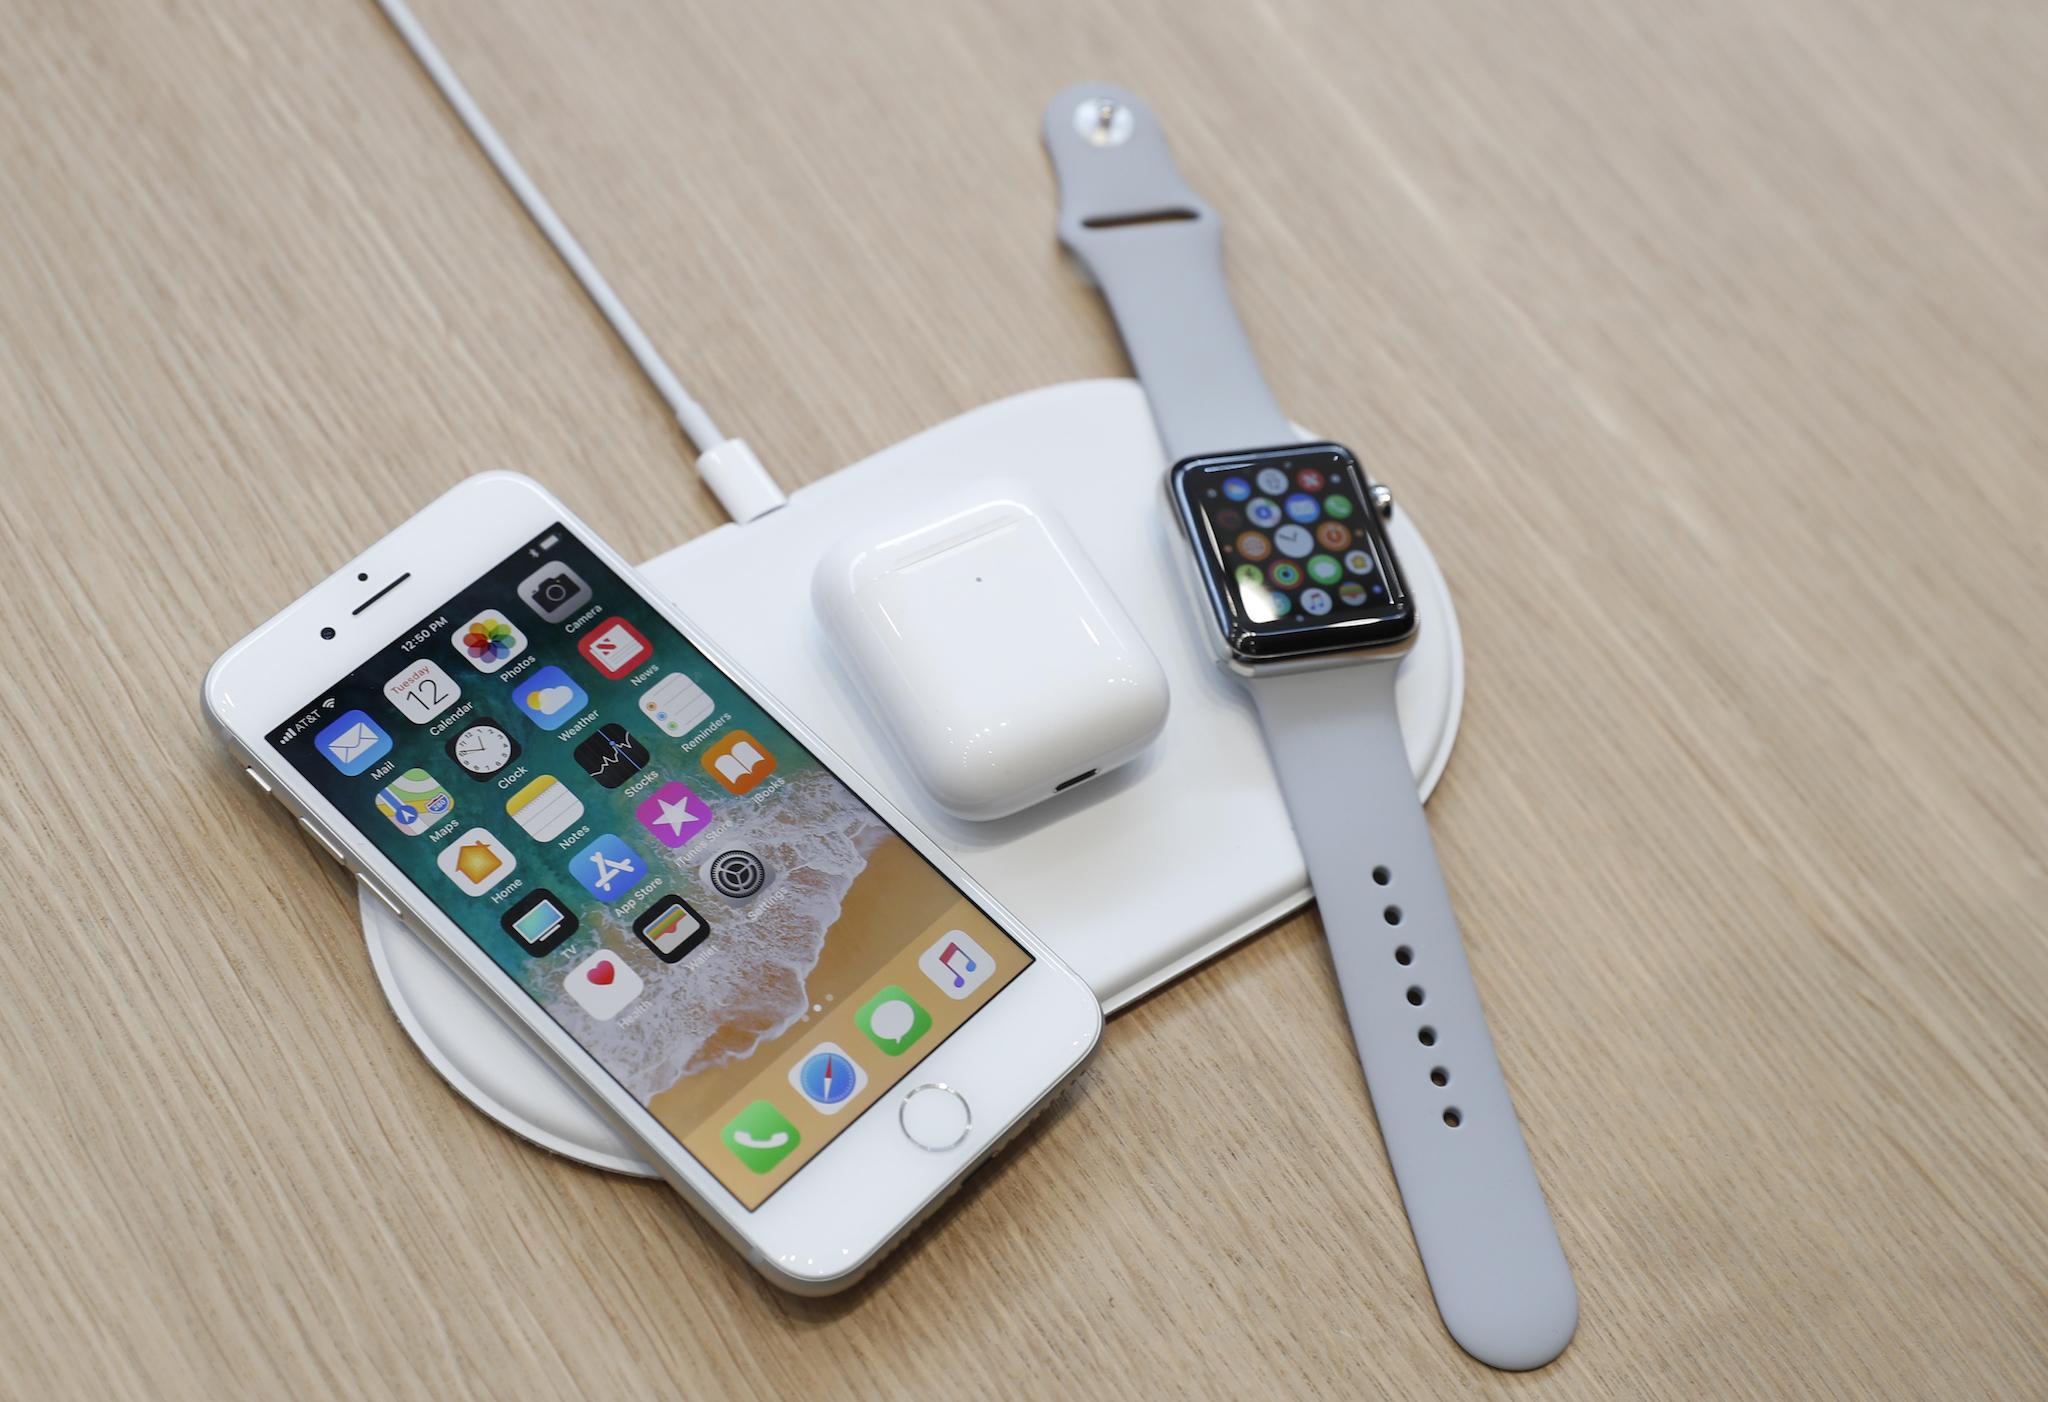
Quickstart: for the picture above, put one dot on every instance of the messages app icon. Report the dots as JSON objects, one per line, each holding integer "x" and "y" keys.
{"x": 892, "y": 1020}
{"x": 353, "y": 742}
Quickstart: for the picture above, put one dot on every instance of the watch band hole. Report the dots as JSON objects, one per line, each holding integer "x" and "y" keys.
{"x": 1393, "y": 914}
{"x": 1438, "y": 1076}
{"x": 1453, "y": 1118}
{"x": 1426, "y": 1036}
{"x": 1415, "y": 995}
{"x": 1381, "y": 876}
{"x": 1404, "y": 955}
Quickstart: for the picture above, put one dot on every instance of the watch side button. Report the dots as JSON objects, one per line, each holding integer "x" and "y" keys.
{"x": 325, "y": 842}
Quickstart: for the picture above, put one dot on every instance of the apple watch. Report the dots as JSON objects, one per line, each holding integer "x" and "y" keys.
{"x": 1305, "y": 602}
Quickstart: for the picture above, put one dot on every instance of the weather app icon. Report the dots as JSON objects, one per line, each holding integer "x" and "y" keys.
{"x": 549, "y": 698}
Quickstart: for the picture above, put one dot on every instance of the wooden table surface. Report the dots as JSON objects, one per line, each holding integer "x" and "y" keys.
{"x": 1707, "y": 343}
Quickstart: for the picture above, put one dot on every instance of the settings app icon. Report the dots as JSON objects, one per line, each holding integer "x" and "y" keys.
{"x": 737, "y": 875}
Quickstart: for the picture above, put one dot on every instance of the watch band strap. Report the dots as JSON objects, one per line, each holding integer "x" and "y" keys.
{"x": 1483, "y": 1229}
{"x": 1480, "y": 1220}
{"x": 1156, "y": 250}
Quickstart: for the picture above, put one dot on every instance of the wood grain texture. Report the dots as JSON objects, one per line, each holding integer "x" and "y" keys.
{"x": 1706, "y": 343}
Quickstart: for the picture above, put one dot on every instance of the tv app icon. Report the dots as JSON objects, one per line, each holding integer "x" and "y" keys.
{"x": 612, "y": 756}
{"x": 671, "y": 928}
{"x": 956, "y": 964}
{"x": 541, "y": 923}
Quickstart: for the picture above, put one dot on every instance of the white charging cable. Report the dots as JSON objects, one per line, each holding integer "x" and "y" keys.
{"x": 727, "y": 465}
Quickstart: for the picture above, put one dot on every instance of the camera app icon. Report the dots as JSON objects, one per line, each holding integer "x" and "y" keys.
{"x": 554, "y": 591}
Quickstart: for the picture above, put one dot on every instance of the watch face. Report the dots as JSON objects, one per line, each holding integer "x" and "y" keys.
{"x": 1291, "y": 552}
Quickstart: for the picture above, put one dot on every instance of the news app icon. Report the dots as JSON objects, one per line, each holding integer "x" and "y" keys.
{"x": 956, "y": 964}
{"x": 615, "y": 647}
{"x": 739, "y": 762}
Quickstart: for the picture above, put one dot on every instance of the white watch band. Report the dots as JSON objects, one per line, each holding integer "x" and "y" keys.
{"x": 1481, "y": 1224}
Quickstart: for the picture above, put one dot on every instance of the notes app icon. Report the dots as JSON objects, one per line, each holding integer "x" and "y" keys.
{"x": 739, "y": 762}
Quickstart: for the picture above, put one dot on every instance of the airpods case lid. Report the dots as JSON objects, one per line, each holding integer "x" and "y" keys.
{"x": 990, "y": 649}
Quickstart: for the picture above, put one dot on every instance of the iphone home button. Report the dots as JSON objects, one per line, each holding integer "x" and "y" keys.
{"x": 934, "y": 1117}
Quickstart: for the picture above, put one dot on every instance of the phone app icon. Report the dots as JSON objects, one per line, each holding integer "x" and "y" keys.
{"x": 674, "y": 815}
{"x": 422, "y": 691}
{"x": 476, "y": 861}
{"x": 892, "y": 1020}
{"x": 739, "y": 762}
{"x": 554, "y": 591}
{"x": 549, "y": 698}
{"x": 956, "y": 964}
{"x": 828, "y": 1078}
{"x": 676, "y": 704}
{"x": 353, "y": 742}
{"x": 761, "y": 1137}
{"x": 544, "y": 808}
{"x": 489, "y": 641}
{"x": 615, "y": 647}
{"x": 603, "y": 985}
{"x": 1338, "y": 506}
{"x": 541, "y": 923}
{"x": 671, "y": 928}
{"x": 612, "y": 756}
{"x": 483, "y": 748}
{"x": 608, "y": 868}
{"x": 414, "y": 802}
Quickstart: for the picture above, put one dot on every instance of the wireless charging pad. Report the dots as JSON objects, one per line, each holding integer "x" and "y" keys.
{"x": 1134, "y": 878}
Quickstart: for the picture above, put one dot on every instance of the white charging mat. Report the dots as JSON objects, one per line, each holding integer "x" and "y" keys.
{"x": 1133, "y": 878}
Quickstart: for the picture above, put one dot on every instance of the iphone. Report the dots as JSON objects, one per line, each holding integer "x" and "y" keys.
{"x": 812, "y": 1020}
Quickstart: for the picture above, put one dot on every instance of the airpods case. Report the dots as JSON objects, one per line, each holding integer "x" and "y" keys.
{"x": 990, "y": 650}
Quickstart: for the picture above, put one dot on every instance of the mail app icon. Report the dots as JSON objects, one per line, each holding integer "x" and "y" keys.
{"x": 353, "y": 742}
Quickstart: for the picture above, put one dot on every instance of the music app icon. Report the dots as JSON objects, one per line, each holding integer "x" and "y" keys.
{"x": 956, "y": 964}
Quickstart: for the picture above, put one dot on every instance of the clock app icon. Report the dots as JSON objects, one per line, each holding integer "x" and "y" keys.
{"x": 483, "y": 747}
